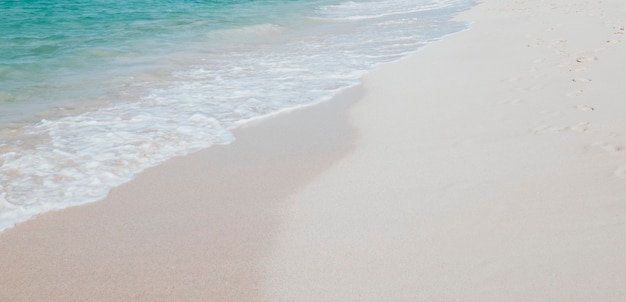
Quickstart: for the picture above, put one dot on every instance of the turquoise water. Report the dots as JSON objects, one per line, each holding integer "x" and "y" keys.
{"x": 58, "y": 52}
{"x": 93, "y": 92}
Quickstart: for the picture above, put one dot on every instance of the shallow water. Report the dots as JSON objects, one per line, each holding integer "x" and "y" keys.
{"x": 93, "y": 92}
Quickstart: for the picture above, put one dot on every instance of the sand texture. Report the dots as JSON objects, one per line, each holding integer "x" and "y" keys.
{"x": 489, "y": 166}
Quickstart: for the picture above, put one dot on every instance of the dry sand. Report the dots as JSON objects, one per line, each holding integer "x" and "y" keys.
{"x": 489, "y": 166}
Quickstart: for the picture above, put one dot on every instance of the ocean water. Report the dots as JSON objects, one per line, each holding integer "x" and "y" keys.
{"x": 94, "y": 91}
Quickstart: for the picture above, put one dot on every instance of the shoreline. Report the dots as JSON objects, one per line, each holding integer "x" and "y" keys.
{"x": 194, "y": 95}
{"x": 488, "y": 166}
{"x": 194, "y": 227}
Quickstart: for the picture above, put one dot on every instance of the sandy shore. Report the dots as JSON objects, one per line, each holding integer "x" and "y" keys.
{"x": 489, "y": 166}
{"x": 193, "y": 229}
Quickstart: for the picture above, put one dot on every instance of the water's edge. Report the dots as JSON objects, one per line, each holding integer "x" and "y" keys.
{"x": 83, "y": 156}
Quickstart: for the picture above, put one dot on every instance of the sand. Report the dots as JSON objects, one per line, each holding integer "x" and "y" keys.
{"x": 489, "y": 166}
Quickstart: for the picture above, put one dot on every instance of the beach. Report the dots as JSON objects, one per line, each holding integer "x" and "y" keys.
{"x": 488, "y": 166}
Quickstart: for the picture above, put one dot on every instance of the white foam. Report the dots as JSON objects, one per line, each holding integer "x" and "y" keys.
{"x": 356, "y": 11}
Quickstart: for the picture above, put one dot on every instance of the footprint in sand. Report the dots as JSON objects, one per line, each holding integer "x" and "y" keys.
{"x": 558, "y": 46}
{"x": 580, "y": 127}
{"x": 608, "y": 147}
{"x": 584, "y": 59}
{"x": 576, "y": 93}
{"x": 585, "y": 108}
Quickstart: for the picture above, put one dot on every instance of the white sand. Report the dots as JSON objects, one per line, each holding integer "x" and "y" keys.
{"x": 193, "y": 229}
{"x": 488, "y": 167}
